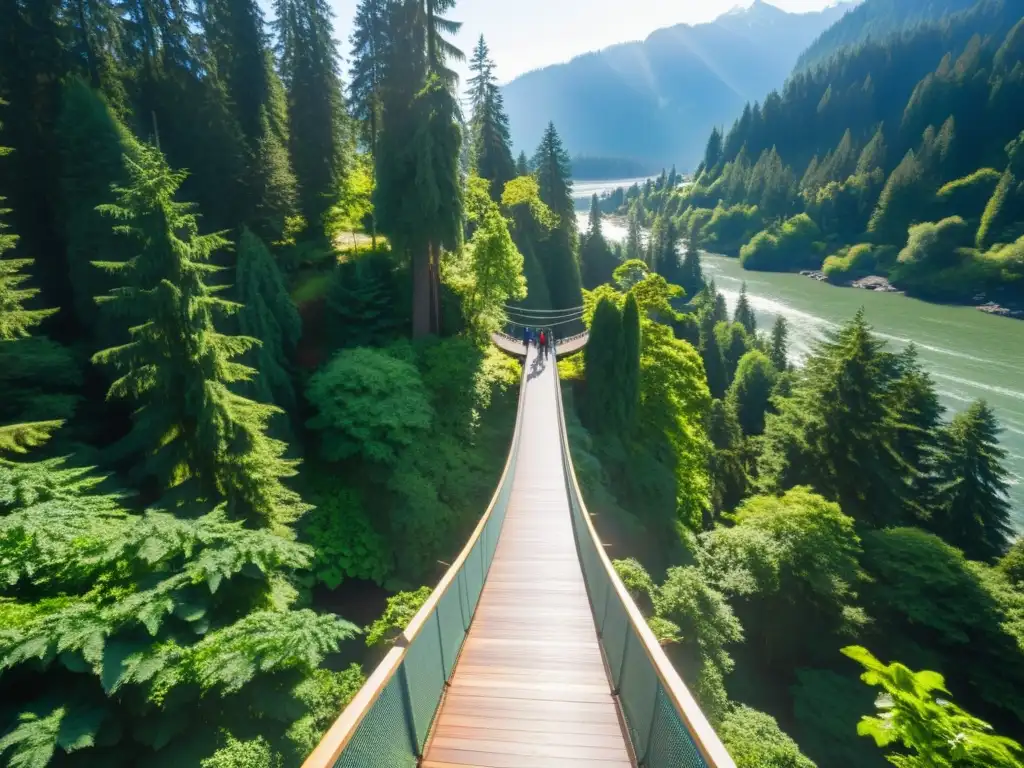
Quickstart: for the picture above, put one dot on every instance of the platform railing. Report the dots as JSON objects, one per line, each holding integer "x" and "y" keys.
{"x": 666, "y": 726}
{"x": 388, "y": 721}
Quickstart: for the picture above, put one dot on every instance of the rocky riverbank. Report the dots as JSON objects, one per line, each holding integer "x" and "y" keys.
{"x": 869, "y": 283}
{"x": 882, "y": 285}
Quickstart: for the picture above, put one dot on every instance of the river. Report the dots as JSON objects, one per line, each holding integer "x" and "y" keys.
{"x": 969, "y": 354}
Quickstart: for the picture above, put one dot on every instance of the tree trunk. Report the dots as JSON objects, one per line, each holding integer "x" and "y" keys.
{"x": 435, "y": 288}
{"x": 421, "y": 293}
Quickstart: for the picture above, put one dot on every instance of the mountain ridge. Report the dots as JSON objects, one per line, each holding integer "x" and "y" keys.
{"x": 655, "y": 100}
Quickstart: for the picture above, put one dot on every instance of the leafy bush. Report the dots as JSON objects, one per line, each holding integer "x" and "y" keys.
{"x": 400, "y": 610}
{"x": 792, "y": 246}
{"x": 755, "y": 740}
{"x": 369, "y": 404}
{"x": 849, "y": 263}
{"x": 730, "y": 227}
{"x": 345, "y": 543}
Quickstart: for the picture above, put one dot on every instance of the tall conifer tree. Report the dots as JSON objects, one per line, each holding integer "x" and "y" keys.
{"x": 191, "y": 433}
{"x": 491, "y": 140}
{"x": 554, "y": 179}
{"x": 319, "y": 134}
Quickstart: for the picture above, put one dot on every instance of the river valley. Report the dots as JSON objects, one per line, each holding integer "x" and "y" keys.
{"x": 969, "y": 353}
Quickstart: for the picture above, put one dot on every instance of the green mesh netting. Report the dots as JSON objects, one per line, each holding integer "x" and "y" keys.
{"x": 671, "y": 745}
{"x": 383, "y": 737}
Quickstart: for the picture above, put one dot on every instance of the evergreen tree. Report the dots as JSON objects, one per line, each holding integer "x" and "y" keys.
{"x": 837, "y": 433}
{"x": 630, "y": 359}
{"x": 316, "y": 112}
{"x": 713, "y": 151}
{"x": 597, "y": 261}
{"x": 491, "y": 141}
{"x": 558, "y": 252}
{"x": 901, "y": 202}
{"x": 779, "y": 353}
{"x": 691, "y": 274}
{"x": 634, "y": 234}
{"x": 92, "y": 142}
{"x": 971, "y": 509}
{"x": 667, "y": 255}
{"x": 604, "y": 408}
{"x": 267, "y": 314}
{"x": 440, "y": 50}
{"x": 236, "y": 40}
{"x": 912, "y": 397}
{"x": 725, "y": 462}
{"x": 714, "y": 361}
{"x": 744, "y": 315}
{"x": 16, "y": 322}
{"x": 191, "y": 433}
{"x": 751, "y": 391}
{"x": 554, "y": 175}
{"x": 370, "y": 42}
{"x": 522, "y": 165}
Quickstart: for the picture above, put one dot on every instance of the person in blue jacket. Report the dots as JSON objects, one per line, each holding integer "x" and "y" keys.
{"x": 526, "y": 339}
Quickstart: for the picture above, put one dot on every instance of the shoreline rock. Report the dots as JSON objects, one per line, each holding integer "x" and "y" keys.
{"x": 875, "y": 283}
{"x": 992, "y": 308}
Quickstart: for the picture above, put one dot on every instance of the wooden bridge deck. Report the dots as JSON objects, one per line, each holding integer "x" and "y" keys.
{"x": 530, "y": 689}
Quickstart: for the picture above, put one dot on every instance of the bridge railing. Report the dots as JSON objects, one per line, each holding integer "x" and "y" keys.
{"x": 666, "y": 726}
{"x": 389, "y": 719}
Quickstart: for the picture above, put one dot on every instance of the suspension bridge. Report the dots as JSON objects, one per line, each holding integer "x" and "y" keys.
{"x": 530, "y": 652}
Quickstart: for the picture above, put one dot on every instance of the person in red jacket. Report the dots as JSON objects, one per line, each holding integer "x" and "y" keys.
{"x": 543, "y": 344}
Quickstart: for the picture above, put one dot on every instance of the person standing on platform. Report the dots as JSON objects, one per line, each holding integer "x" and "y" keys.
{"x": 541, "y": 344}
{"x": 526, "y": 339}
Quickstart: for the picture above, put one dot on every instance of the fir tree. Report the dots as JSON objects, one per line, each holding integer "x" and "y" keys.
{"x": 634, "y": 234}
{"x": 29, "y": 367}
{"x": 837, "y": 433}
{"x": 714, "y": 361}
{"x": 631, "y": 343}
{"x": 971, "y": 509}
{"x": 751, "y": 391}
{"x": 558, "y": 252}
{"x": 604, "y": 405}
{"x": 439, "y": 49}
{"x": 369, "y": 53}
{"x": 597, "y": 261}
{"x": 234, "y": 34}
{"x": 522, "y": 165}
{"x": 491, "y": 141}
{"x": 554, "y": 175}
{"x": 691, "y": 274}
{"x": 667, "y": 254}
{"x": 191, "y": 433}
{"x": 725, "y": 462}
{"x": 267, "y": 314}
{"x": 779, "y": 344}
{"x": 316, "y": 112}
{"x": 744, "y": 315}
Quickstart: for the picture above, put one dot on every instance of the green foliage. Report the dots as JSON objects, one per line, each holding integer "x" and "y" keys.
{"x": 850, "y": 263}
{"x": 936, "y": 257}
{"x": 400, "y": 610}
{"x": 177, "y": 369}
{"x": 793, "y": 245}
{"x": 604, "y": 403}
{"x": 370, "y": 405}
{"x": 971, "y": 509}
{"x": 751, "y": 391}
{"x": 557, "y": 253}
{"x": 488, "y": 273}
{"x": 345, "y": 543}
{"x": 789, "y": 561}
{"x": 255, "y": 753}
{"x": 730, "y": 227}
{"x": 597, "y": 260}
{"x": 631, "y": 345}
{"x": 489, "y": 131}
{"x": 363, "y": 307}
{"x": 837, "y": 431}
{"x": 827, "y": 707}
{"x": 268, "y": 314}
{"x": 780, "y": 339}
{"x": 744, "y": 315}
{"x": 968, "y": 196}
{"x": 638, "y": 583}
{"x": 754, "y": 740}
{"x": 915, "y": 713}
{"x": 705, "y": 625}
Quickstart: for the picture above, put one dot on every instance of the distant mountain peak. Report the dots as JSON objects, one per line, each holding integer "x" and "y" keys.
{"x": 656, "y": 100}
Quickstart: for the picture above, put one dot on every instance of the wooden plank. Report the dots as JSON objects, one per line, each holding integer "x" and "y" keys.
{"x": 530, "y": 689}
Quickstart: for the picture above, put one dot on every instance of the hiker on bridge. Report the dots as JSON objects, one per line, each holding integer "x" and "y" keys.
{"x": 526, "y": 338}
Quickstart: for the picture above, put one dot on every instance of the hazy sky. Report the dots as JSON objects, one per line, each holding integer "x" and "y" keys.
{"x": 527, "y": 34}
